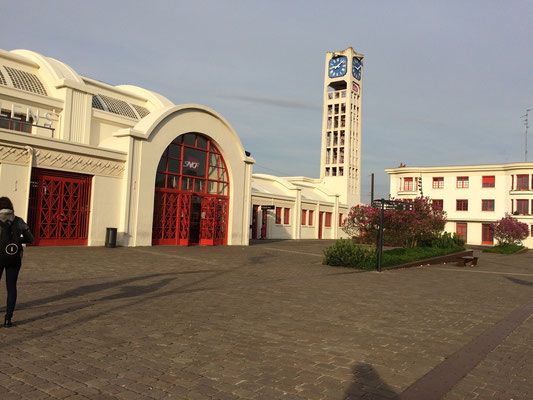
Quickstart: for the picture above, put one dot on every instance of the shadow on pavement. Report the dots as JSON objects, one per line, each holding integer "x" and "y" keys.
{"x": 367, "y": 384}
{"x": 86, "y": 289}
{"x": 519, "y": 281}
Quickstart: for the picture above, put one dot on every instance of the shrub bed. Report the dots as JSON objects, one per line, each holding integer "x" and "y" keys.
{"x": 505, "y": 249}
{"x": 346, "y": 253}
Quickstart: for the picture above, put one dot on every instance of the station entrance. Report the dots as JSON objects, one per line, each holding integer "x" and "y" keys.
{"x": 191, "y": 194}
{"x": 58, "y": 212}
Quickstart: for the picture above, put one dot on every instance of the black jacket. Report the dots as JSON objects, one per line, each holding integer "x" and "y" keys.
{"x": 21, "y": 229}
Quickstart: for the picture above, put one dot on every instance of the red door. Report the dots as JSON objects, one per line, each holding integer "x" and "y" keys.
{"x": 320, "y": 223}
{"x": 264, "y": 221}
{"x": 461, "y": 230}
{"x": 213, "y": 217}
{"x": 254, "y": 221}
{"x": 487, "y": 234}
{"x": 59, "y": 208}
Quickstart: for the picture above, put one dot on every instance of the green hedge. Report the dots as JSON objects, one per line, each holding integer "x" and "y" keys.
{"x": 346, "y": 253}
{"x": 505, "y": 249}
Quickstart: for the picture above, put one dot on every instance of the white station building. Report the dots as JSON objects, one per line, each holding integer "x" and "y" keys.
{"x": 78, "y": 156}
{"x": 473, "y": 196}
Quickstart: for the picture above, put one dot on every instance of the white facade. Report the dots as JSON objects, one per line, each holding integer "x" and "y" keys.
{"x": 54, "y": 120}
{"x": 473, "y": 196}
{"x": 294, "y": 208}
{"x": 78, "y": 156}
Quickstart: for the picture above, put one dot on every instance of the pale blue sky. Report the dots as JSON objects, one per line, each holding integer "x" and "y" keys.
{"x": 445, "y": 81}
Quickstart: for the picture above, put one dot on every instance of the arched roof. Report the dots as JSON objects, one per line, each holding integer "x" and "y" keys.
{"x": 51, "y": 73}
{"x": 145, "y": 127}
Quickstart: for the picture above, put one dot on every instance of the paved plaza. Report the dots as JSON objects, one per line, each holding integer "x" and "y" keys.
{"x": 266, "y": 321}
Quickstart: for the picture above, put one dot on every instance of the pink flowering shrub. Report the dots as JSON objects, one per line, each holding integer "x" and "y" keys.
{"x": 406, "y": 228}
{"x": 509, "y": 230}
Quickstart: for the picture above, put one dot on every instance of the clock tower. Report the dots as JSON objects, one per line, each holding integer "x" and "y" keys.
{"x": 340, "y": 159}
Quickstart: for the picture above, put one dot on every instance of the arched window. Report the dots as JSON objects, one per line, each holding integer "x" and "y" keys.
{"x": 192, "y": 163}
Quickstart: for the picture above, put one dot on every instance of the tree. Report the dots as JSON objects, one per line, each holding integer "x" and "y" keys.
{"x": 509, "y": 230}
{"x": 401, "y": 227}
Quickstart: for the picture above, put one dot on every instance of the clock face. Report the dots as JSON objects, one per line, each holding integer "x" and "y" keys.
{"x": 356, "y": 68}
{"x": 337, "y": 67}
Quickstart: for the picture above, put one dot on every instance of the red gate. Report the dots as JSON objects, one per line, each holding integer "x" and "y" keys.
{"x": 59, "y": 208}
{"x": 191, "y": 193}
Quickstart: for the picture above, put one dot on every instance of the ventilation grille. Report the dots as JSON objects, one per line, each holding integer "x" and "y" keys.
{"x": 97, "y": 103}
{"x": 25, "y": 81}
{"x": 2, "y": 79}
{"x": 117, "y": 106}
{"x": 142, "y": 111}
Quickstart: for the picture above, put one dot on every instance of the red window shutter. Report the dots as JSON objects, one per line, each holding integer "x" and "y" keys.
{"x": 437, "y": 204}
{"x": 311, "y": 212}
{"x": 278, "y": 215}
{"x": 407, "y": 184}
{"x": 304, "y": 217}
{"x": 522, "y": 206}
{"x": 328, "y": 220}
{"x": 488, "y": 181}
{"x": 522, "y": 182}
{"x": 286, "y": 216}
{"x": 340, "y": 219}
{"x": 487, "y": 205}
{"x": 461, "y": 205}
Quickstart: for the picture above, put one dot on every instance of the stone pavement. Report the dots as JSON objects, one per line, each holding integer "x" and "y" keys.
{"x": 261, "y": 322}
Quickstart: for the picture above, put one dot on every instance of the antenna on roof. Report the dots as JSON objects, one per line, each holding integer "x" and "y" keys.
{"x": 525, "y": 117}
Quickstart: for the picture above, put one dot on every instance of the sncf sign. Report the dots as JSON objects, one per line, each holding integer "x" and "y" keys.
{"x": 191, "y": 164}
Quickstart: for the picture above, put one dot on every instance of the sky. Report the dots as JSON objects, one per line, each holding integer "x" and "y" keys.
{"x": 445, "y": 82}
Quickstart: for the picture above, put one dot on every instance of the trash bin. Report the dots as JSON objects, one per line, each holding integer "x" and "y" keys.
{"x": 111, "y": 237}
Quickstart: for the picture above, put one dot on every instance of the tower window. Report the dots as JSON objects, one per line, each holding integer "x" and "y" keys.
{"x": 341, "y": 171}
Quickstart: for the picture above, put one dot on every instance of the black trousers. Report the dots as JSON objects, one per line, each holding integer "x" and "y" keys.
{"x": 12, "y": 275}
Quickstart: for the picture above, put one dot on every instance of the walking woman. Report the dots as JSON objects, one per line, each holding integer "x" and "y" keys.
{"x": 13, "y": 232}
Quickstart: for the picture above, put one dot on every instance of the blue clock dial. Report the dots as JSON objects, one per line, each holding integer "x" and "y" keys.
{"x": 356, "y": 68}
{"x": 337, "y": 66}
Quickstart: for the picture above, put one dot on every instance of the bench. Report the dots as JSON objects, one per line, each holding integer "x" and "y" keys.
{"x": 467, "y": 261}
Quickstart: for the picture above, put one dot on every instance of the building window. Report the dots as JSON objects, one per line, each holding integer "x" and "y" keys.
{"x": 408, "y": 184}
{"x": 531, "y": 230}
{"x": 286, "y": 216}
{"x": 304, "y": 217}
{"x": 438, "y": 182}
{"x": 461, "y": 230}
{"x": 278, "y": 215}
{"x": 461, "y": 205}
{"x": 327, "y": 223}
{"x": 522, "y": 207}
{"x": 311, "y": 212}
{"x": 437, "y": 205}
{"x": 522, "y": 182}
{"x": 487, "y": 234}
{"x": 341, "y": 220}
{"x": 462, "y": 182}
{"x": 487, "y": 205}
{"x": 17, "y": 122}
{"x": 488, "y": 181}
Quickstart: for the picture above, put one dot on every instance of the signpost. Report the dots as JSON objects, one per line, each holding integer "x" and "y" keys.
{"x": 386, "y": 204}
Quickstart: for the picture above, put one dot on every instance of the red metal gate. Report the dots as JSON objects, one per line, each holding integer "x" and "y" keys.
{"x": 59, "y": 208}
{"x": 191, "y": 193}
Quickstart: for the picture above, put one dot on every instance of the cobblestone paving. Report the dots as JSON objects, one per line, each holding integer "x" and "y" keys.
{"x": 261, "y": 322}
